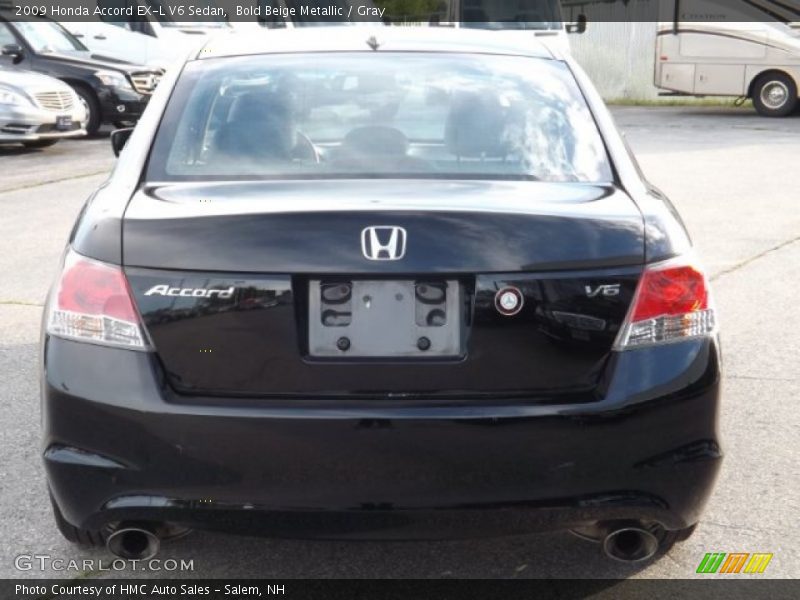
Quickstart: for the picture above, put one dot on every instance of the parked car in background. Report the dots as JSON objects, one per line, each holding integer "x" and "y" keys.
{"x": 111, "y": 92}
{"x": 36, "y": 110}
{"x": 117, "y": 42}
{"x": 144, "y": 39}
{"x": 523, "y": 20}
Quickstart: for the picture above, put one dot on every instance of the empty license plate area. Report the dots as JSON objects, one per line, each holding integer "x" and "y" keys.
{"x": 385, "y": 319}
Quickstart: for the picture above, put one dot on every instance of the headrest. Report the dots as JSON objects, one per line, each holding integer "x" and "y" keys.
{"x": 260, "y": 104}
{"x": 477, "y": 125}
{"x": 375, "y": 140}
{"x": 260, "y": 125}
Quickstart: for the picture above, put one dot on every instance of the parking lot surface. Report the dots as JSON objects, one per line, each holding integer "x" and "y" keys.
{"x": 735, "y": 179}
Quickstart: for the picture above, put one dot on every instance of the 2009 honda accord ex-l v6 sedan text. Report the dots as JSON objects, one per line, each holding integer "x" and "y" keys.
{"x": 388, "y": 283}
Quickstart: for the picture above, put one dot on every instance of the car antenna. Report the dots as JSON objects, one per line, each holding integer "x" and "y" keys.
{"x": 373, "y": 43}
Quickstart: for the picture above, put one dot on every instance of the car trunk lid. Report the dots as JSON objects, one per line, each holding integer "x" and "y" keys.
{"x": 231, "y": 280}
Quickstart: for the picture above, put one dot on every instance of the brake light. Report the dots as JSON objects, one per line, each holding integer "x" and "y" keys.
{"x": 92, "y": 302}
{"x": 672, "y": 303}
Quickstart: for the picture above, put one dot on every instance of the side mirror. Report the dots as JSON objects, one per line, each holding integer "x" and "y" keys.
{"x": 14, "y": 51}
{"x": 579, "y": 26}
{"x": 119, "y": 137}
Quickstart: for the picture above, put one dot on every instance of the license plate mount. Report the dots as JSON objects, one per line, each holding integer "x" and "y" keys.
{"x": 385, "y": 319}
{"x": 63, "y": 123}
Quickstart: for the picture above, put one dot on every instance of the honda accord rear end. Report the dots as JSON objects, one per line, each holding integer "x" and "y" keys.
{"x": 401, "y": 285}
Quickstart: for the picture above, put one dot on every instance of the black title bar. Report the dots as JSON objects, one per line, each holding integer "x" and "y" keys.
{"x": 490, "y": 14}
{"x": 731, "y": 588}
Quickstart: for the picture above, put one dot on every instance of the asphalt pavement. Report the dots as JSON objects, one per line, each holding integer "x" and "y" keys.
{"x": 735, "y": 179}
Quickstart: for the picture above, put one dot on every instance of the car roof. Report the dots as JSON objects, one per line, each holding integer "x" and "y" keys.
{"x": 371, "y": 38}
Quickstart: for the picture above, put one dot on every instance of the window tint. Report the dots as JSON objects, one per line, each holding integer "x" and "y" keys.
{"x": 378, "y": 115}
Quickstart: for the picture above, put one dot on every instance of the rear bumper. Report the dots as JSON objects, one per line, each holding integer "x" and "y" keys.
{"x": 118, "y": 446}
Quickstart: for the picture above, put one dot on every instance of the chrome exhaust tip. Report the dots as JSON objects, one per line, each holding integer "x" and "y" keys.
{"x": 630, "y": 544}
{"x": 133, "y": 541}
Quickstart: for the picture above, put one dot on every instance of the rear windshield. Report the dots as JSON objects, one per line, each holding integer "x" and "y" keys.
{"x": 378, "y": 115}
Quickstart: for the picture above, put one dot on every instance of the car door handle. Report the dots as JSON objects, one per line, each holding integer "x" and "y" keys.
{"x": 100, "y": 37}
{"x": 78, "y": 35}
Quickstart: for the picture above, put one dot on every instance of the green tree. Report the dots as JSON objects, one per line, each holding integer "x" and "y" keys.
{"x": 412, "y": 10}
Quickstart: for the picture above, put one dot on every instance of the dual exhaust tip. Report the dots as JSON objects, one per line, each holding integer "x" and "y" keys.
{"x": 133, "y": 541}
{"x": 141, "y": 540}
{"x": 631, "y": 544}
{"x": 624, "y": 541}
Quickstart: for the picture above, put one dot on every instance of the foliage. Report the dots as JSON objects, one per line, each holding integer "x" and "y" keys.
{"x": 411, "y": 10}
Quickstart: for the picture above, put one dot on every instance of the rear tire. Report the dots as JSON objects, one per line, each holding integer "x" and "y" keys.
{"x": 76, "y": 535}
{"x": 775, "y": 95}
{"x": 92, "y": 107}
{"x": 39, "y": 143}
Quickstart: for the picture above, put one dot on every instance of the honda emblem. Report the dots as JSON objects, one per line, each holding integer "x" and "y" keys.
{"x": 383, "y": 242}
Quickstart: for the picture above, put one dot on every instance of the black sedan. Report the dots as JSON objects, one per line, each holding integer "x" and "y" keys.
{"x": 111, "y": 92}
{"x": 379, "y": 284}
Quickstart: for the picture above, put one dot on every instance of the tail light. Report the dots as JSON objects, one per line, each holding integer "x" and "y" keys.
{"x": 672, "y": 303}
{"x": 91, "y": 302}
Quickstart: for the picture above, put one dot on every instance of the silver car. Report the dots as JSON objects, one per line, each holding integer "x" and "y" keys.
{"x": 37, "y": 110}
